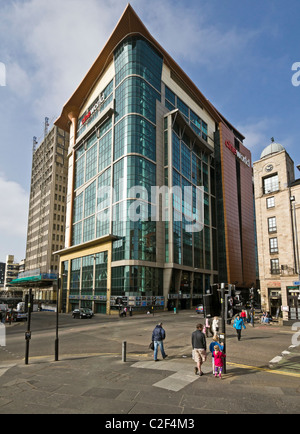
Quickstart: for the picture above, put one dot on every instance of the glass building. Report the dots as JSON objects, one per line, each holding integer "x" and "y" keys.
{"x": 142, "y": 173}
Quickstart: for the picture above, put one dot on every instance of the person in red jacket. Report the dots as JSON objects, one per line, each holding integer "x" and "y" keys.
{"x": 218, "y": 358}
{"x": 243, "y": 315}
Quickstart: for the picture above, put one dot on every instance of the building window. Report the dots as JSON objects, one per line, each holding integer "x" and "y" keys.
{"x": 270, "y": 184}
{"x": 270, "y": 202}
{"x": 275, "y": 266}
{"x": 273, "y": 245}
{"x": 272, "y": 226}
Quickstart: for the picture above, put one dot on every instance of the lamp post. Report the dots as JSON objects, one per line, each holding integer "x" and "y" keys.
{"x": 223, "y": 324}
{"x": 292, "y": 200}
{"x": 58, "y": 283}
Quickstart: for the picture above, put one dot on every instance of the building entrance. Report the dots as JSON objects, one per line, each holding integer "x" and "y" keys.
{"x": 294, "y": 306}
{"x": 275, "y": 302}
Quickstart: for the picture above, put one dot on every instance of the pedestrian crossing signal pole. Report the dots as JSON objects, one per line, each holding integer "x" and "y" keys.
{"x": 28, "y": 308}
{"x": 223, "y": 323}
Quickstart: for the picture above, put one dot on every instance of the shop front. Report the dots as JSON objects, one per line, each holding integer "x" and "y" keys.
{"x": 275, "y": 302}
{"x": 293, "y": 297}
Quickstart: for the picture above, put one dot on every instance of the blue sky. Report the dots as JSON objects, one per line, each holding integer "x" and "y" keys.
{"x": 239, "y": 54}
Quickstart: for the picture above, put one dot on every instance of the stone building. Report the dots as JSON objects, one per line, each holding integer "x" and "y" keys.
{"x": 277, "y": 205}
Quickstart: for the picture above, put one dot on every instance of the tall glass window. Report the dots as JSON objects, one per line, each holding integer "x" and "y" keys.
{"x": 101, "y": 273}
{"x": 191, "y": 169}
{"x": 137, "y": 281}
{"x": 137, "y": 56}
{"x": 87, "y": 275}
{"x": 134, "y": 95}
{"x": 134, "y": 134}
{"x": 75, "y": 276}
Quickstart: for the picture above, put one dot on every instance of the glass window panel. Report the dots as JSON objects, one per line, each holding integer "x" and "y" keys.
{"x": 91, "y": 163}
{"x": 90, "y": 200}
{"x": 105, "y": 145}
{"x": 270, "y": 184}
{"x": 89, "y": 229}
{"x": 87, "y": 275}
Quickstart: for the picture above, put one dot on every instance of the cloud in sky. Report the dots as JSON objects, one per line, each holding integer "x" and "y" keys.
{"x": 256, "y": 133}
{"x": 13, "y": 218}
{"x": 197, "y": 39}
{"x": 55, "y": 42}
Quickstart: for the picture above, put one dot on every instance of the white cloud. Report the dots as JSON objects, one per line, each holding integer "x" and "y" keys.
{"x": 13, "y": 217}
{"x": 18, "y": 80}
{"x": 189, "y": 34}
{"x": 62, "y": 40}
{"x": 257, "y": 134}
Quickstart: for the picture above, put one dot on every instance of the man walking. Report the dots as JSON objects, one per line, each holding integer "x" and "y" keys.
{"x": 158, "y": 336}
{"x": 199, "y": 348}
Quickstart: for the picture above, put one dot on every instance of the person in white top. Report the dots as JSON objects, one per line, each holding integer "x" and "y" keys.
{"x": 215, "y": 325}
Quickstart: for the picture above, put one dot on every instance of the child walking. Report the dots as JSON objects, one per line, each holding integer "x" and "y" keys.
{"x": 218, "y": 358}
{"x": 215, "y": 342}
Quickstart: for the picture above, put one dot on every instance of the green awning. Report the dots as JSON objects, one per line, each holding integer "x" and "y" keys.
{"x": 26, "y": 279}
{"x": 42, "y": 278}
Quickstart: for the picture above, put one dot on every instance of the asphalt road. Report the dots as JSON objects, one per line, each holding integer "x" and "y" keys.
{"x": 90, "y": 376}
{"x": 103, "y": 334}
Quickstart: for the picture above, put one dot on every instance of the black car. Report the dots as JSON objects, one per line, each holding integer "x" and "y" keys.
{"x": 82, "y": 313}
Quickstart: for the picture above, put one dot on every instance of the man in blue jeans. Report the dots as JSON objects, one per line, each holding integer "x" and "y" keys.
{"x": 158, "y": 335}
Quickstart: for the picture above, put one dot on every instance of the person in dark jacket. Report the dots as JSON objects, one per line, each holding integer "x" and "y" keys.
{"x": 199, "y": 348}
{"x": 158, "y": 336}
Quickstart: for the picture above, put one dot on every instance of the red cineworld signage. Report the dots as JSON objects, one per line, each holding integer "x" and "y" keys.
{"x": 92, "y": 111}
{"x": 237, "y": 153}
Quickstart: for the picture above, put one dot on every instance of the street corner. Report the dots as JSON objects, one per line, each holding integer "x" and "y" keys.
{"x": 288, "y": 360}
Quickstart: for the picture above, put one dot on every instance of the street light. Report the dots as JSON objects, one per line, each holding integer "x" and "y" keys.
{"x": 295, "y": 234}
{"x": 58, "y": 283}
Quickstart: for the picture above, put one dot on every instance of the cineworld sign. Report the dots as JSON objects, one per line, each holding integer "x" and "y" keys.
{"x": 92, "y": 111}
{"x": 238, "y": 154}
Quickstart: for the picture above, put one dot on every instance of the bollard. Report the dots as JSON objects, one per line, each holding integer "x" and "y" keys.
{"x": 124, "y": 351}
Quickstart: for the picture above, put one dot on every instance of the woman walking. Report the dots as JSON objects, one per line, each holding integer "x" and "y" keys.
{"x": 238, "y": 324}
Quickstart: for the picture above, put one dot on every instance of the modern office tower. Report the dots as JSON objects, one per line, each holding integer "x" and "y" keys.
{"x": 47, "y": 207}
{"x": 139, "y": 125}
{"x": 277, "y": 202}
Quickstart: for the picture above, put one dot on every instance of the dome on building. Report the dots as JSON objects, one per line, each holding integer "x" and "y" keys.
{"x": 273, "y": 148}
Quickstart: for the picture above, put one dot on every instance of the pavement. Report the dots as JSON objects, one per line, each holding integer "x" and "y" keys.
{"x": 102, "y": 383}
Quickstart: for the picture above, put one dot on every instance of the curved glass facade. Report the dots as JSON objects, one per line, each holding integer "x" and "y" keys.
{"x": 115, "y": 168}
{"x": 138, "y": 70}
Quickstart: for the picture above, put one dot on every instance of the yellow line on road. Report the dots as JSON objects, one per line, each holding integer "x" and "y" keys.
{"x": 255, "y": 368}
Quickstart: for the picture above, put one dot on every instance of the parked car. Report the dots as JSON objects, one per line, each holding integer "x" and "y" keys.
{"x": 82, "y": 313}
{"x": 19, "y": 316}
{"x": 200, "y": 308}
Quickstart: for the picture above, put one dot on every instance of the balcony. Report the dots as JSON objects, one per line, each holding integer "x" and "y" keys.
{"x": 275, "y": 271}
{"x": 286, "y": 270}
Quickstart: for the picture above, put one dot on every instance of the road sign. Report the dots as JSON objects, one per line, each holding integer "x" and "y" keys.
{"x": 297, "y": 283}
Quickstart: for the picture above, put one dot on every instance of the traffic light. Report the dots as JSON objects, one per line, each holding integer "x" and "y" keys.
{"x": 28, "y": 303}
{"x": 211, "y": 308}
{"x": 228, "y": 308}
